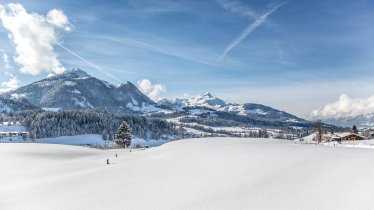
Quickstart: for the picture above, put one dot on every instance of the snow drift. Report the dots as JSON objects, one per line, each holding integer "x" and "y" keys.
{"x": 214, "y": 173}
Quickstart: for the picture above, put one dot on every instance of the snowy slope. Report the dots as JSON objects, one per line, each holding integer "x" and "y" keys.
{"x": 87, "y": 139}
{"x": 215, "y": 173}
{"x": 203, "y": 100}
{"x": 75, "y": 89}
{"x": 207, "y": 103}
{"x": 13, "y": 103}
{"x": 206, "y": 100}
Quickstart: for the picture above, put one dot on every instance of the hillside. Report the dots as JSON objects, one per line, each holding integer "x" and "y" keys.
{"x": 75, "y": 89}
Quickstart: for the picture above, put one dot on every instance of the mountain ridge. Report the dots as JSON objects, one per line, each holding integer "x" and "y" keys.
{"x": 75, "y": 89}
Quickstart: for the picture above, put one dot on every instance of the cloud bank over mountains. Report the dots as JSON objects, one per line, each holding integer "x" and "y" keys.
{"x": 11, "y": 84}
{"x": 153, "y": 91}
{"x": 345, "y": 107}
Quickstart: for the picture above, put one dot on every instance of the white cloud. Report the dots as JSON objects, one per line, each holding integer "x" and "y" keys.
{"x": 7, "y": 65}
{"x": 34, "y": 36}
{"x": 345, "y": 107}
{"x": 153, "y": 91}
{"x": 237, "y": 7}
{"x": 257, "y": 22}
{"x": 9, "y": 85}
{"x": 59, "y": 19}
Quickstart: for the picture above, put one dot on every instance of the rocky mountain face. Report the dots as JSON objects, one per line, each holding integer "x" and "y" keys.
{"x": 75, "y": 89}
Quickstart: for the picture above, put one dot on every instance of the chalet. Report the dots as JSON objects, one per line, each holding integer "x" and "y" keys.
{"x": 343, "y": 137}
{"x": 351, "y": 137}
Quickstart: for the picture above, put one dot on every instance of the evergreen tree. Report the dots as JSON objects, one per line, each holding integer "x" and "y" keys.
{"x": 123, "y": 135}
{"x": 354, "y": 128}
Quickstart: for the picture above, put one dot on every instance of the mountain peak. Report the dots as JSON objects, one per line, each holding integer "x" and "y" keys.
{"x": 127, "y": 85}
{"x": 206, "y": 100}
{"x": 207, "y": 95}
{"x": 74, "y": 73}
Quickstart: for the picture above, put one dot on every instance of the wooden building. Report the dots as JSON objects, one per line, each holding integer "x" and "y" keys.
{"x": 351, "y": 137}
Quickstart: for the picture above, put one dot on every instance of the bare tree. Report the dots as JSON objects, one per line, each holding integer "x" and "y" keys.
{"x": 319, "y": 131}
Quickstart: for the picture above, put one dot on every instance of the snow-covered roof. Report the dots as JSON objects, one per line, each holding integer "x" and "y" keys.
{"x": 12, "y": 128}
{"x": 332, "y": 136}
{"x": 345, "y": 134}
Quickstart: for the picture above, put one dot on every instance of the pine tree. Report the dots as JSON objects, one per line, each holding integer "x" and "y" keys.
{"x": 354, "y": 128}
{"x": 123, "y": 135}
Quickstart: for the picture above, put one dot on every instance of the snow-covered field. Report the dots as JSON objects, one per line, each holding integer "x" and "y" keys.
{"x": 93, "y": 140}
{"x": 369, "y": 144}
{"x": 207, "y": 173}
{"x": 86, "y": 139}
{"x": 12, "y": 128}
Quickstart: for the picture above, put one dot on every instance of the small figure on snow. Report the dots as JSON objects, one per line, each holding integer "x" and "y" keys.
{"x": 116, "y": 155}
{"x": 107, "y": 161}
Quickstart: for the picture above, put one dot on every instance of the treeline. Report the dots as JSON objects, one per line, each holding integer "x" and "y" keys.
{"x": 42, "y": 124}
{"x": 230, "y": 119}
{"x": 261, "y": 133}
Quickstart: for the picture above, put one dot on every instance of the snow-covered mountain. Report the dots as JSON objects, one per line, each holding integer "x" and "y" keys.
{"x": 346, "y": 112}
{"x": 252, "y": 109}
{"x": 361, "y": 121}
{"x": 204, "y": 100}
{"x": 207, "y": 103}
{"x": 75, "y": 89}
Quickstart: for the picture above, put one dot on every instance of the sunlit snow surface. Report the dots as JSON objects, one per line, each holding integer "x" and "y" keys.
{"x": 213, "y": 173}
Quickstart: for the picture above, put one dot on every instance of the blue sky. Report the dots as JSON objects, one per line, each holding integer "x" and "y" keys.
{"x": 301, "y": 54}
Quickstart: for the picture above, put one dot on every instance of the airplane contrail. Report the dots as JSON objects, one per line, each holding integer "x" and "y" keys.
{"x": 258, "y": 22}
{"x": 88, "y": 62}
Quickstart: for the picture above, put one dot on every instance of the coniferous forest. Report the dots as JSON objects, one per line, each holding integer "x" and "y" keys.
{"x": 42, "y": 124}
